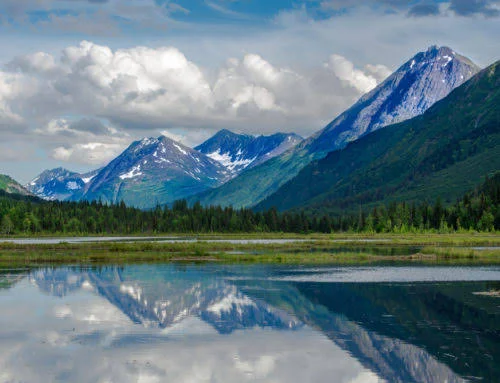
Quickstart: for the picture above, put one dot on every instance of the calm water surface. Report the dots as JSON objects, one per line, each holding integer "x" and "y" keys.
{"x": 52, "y": 241}
{"x": 215, "y": 323}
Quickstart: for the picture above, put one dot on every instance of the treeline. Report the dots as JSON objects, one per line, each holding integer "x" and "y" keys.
{"x": 478, "y": 210}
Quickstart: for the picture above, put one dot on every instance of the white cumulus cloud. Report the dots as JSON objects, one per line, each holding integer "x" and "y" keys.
{"x": 142, "y": 91}
{"x": 348, "y": 74}
{"x": 93, "y": 153}
{"x": 84, "y": 141}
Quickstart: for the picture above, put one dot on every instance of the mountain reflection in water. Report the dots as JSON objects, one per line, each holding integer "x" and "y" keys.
{"x": 243, "y": 323}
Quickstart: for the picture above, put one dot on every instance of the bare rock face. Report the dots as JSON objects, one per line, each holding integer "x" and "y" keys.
{"x": 409, "y": 92}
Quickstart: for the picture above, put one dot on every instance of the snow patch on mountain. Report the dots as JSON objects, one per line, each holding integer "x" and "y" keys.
{"x": 86, "y": 180}
{"x": 72, "y": 185}
{"x": 226, "y": 160}
{"x": 238, "y": 152}
{"x": 180, "y": 149}
{"x": 134, "y": 172}
{"x": 59, "y": 183}
{"x": 155, "y": 171}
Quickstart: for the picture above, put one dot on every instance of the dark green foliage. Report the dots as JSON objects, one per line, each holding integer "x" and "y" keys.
{"x": 478, "y": 210}
{"x": 441, "y": 154}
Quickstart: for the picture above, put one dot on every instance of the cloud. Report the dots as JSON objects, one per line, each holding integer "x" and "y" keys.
{"x": 485, "y": 8}
{"x": 84, "y": 141}
{"x": 90, "y": 17}
{"x": 419, "y": 8}
{"x": 345, "y": 71}
{"x": 140, "y": 89}
{"x": 224, "y": 10}
{"x": 39, "y": 62}
{"x": 87, "y": 104}
{"x": 85, "y": 127}
{"x": 92, "y": 153}
{"x": 11, "y": 88}
{"x": 380, "y": 72}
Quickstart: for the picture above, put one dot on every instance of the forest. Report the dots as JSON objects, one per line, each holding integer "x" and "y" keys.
{"x": 477, "y": 210}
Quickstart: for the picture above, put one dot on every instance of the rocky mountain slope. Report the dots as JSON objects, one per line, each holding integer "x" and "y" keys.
{"x": 59, "y": 184}
{"x": 443, "y": 153}
{"x": 241, "y": 151}
{"x": 154, "y": 171}
{"x": 411, "y": 90}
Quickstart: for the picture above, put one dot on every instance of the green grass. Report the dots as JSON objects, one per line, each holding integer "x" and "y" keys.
{"x": 346, "y": 248}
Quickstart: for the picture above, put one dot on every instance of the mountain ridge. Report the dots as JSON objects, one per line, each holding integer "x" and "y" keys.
{"x": 154, "y": 171}
{"x": 440, "y": 154}
{"x": 255, "y": 184}
{"x": 59, "y": 183}
{"x": 242, "y": 151}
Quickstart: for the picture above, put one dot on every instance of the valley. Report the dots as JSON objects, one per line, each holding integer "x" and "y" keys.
{"x": 221, "y": 191}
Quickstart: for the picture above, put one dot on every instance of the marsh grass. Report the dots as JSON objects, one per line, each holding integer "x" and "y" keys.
{"x": 318, "y": 249}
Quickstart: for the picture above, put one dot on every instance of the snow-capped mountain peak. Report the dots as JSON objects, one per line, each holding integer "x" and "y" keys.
{"x": 238, "y": 152}
{"x": 59, "y": 183}
{"x": 155, "y": 171}
{"x": 417, "y": 85}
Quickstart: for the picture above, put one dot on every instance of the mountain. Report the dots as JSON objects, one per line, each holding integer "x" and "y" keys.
{"x": 408, "y": 92}
{"x": 11, "y": 186}
{"x": 154, "y": 171}
{"x": 59, "y": 184}
{"x": 241, "y": 151}
{"x": 443, "y": 153}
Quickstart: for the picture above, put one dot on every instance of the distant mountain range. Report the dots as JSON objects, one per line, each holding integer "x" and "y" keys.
{"x": 443, "y": 153}
{"x": 408, "y": 92}
{"x": 59, "y": 184}
{"x": 159, "y": 170}
{"x": 354, "y": 159}
{"x": 154, "y": 171}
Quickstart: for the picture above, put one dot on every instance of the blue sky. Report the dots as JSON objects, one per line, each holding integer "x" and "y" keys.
{"x": 81, "y": 79}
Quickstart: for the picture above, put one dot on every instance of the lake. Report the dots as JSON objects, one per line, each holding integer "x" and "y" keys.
{"x": 184, "y": 322}
{"x": 79, "y": 240}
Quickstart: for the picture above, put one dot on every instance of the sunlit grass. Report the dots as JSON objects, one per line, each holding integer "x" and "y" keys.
{"x": 346, "y": 248}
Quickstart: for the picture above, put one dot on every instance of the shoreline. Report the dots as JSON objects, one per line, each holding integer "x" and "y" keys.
{"x": 318, "y": 249}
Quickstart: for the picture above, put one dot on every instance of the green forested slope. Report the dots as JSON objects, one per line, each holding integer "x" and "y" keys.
{"x": 257, "y": 183}
{"x": 10, "y": 185}
{"x": 443, "y": 153}
{"x": 478, "y": 209}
